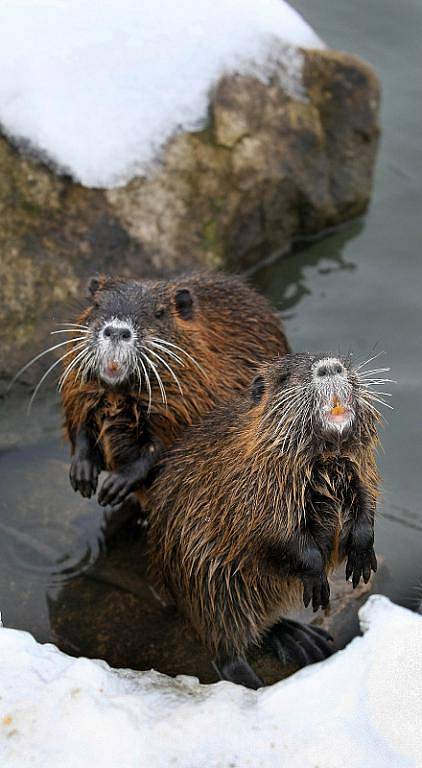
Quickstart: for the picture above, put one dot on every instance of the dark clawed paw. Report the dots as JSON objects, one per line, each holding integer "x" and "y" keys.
{"x": 359, "y": 564}
{"x": 114, "y": 490}
{"x": 84, "y": 476}
{"x": 302, "y": 643}
{"x": 316, "y": 589}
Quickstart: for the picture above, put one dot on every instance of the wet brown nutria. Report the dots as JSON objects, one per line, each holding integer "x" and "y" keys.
{"x": 150, "y": 358}
{"x": 257, "y": 503}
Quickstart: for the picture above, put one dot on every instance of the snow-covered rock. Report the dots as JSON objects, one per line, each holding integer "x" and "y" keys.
{"x": 360, "y": 709}
{"x": 98, "y": 86}
{"x": 235, "y": 130}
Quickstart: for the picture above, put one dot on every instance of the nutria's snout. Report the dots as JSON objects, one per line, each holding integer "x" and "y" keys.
{"x": 115, "y": 350}
{"x": 334, "y": 394}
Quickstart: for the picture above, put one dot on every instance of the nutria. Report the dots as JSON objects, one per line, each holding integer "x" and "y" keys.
{"x": 257, "y": 503}
{"x": 153, "y": 357}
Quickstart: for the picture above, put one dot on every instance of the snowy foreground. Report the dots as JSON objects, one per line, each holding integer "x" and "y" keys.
{"x": 360, "y": 709}
{"x": 99, "y": 85}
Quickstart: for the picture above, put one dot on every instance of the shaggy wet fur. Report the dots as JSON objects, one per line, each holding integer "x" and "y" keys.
{"x": 242, "y": 495}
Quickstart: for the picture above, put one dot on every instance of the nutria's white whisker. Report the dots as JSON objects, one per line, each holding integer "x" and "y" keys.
{"x": 166, "y": 365}
{"x": 74, "y": 325}
{"x": 158, "y": 377}
{"x": 43, "y": 378}
{"x": 370, "y": 396}
{"x": 369, "y": 360}
{"x": 148, "y": 383}
{"x": 71, "y": 366}
{"x": 138, "y": 373}
{"x": 372, "y": 372}
{"x": 41, "y": 354}
{"x": 288, "y": 396}
{"x": 375, "y": 382}
{"x": 167, "y": 351}
{"x": 70, "y": 330}
{"x": 182, "y": 351}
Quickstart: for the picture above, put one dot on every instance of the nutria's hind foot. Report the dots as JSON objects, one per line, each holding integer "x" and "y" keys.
{"x": 237, "y": 670}
{"x": 292, "y": 641}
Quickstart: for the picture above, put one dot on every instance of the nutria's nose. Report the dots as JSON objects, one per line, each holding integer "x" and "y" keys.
{"x": 117, "y": 332}
{"x": 330, "y": 367}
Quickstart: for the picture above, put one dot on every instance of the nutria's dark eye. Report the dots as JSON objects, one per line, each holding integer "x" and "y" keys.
{"x": 257, "y": 389}
{"x": 159, "y": 312}
{"x": 184, "y": 304}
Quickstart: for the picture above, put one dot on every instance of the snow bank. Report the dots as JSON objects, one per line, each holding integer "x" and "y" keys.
{"x": 98, "y": 85}
{"x": 361, "y": 708}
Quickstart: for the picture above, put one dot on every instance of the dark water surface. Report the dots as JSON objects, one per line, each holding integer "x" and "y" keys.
{"x": 359, "y": 289}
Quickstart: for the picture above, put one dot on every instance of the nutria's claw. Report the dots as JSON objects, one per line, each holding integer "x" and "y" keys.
{"x": 115, "y": 488}
{"x": 303, "y": 643}
{"x": 360, "y": 563}
{"x": 83, "y": 476}
{"x": 317, "y": 589}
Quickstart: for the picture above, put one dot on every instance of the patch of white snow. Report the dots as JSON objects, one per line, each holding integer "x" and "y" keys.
{"x": 97, "y": 86}
{"x": 362, "y": 707}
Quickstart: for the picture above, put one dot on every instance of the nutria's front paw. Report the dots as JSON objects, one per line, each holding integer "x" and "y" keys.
{"x": 315, "y": 588}
{"x": 116, "y": 487}
{"x": 360, "y": 563}
{"x": 311, "y": 572}
{"x": 83, "y": 475}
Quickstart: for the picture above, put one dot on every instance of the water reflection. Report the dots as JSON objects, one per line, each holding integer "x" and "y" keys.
{"x": 286, "y": 280}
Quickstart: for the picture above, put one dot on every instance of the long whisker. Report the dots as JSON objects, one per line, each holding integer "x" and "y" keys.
{"x": 73, "y": 363}
{"x": 166, "y": 351}
{"x": 371, "y": 407}
{"x": 373, "y": 371}
{"x": 369, "y": 360}
{"x": 83, "y": 365}
{"x": 182, "y": 351}
{"x": 145, "y": 372}
{"x": 41, "y": 354}
{"x": 138, "y": 373}
{"x": 158, "y": 377}
{"x": 375, "y": 382}
{"x": 285, "y": 406}
{"x": 369, "y": 396}
{"x": 43, "y": 378}
{"x": 169, "y": 369}
{"x": 74, "y": 325}
{"x": 70, "y": 330}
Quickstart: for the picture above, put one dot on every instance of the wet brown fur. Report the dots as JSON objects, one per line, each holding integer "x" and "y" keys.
{"x": 229, "y": 501}
{"x": 232, "y": 329}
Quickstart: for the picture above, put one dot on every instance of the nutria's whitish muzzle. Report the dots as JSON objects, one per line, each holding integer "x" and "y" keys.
{"x": 115, "y": 350}
{"x": 334, "y": 393}
{"x": 327, "y": 367}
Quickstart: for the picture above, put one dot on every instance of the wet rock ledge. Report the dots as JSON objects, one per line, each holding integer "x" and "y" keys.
{"x": 276, "y": 161}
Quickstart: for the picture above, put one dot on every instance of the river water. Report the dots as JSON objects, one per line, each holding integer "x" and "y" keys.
{"x": 358, "y": 289}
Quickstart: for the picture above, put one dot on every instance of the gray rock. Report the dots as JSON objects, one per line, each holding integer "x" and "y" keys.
{"x": 273, "y": 164}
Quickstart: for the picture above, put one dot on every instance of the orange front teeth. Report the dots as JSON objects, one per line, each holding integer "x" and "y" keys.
{"x": 338, "y": 409}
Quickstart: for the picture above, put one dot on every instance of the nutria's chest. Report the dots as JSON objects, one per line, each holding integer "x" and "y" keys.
{"x": 331, "y": 490}
{"x": 122, "y": 427}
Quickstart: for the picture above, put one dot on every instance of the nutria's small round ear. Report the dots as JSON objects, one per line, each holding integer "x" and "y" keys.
{"x": 184, "y": 304}
{"x": 95, "y": 283}
{"x": 257, "y": 389}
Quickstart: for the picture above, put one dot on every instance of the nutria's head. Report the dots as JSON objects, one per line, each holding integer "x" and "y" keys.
{"x": 131, "y": 330}
{"x": 315, "y": 400}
